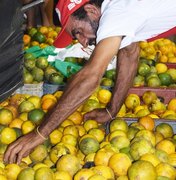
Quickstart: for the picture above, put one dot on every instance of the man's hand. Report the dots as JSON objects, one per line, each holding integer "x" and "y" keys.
{"x": 100, "y": 115}
{"x": 22, "y": 147}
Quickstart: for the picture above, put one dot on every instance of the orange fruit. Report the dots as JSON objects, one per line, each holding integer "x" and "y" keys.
{"x": 26, "y": 172}
{"x": 71, "y": 129}
{"x": 152, "y": 158}
{"x": 165, "y": 129}
{"x": 72, "y": 167}
{"x": 6, "y": 116}
{"x": 36, "y": 116}
{"x": 43, "y": 29}
{"x": 35, "y": 100}
{"x": 84, "y": 174}
{"x": 26, "y": 39}
{"x": 62, "y": 175}
{"x": 8, "y": 135}
{"x": 166, "y": 145}
{"x": 161, "y": 67}
{"x": 118, "y": 124}
{"x": 119, "y": 163}
{"x": 66, "y": 122}
{"x": 89, "y": 124}
{"x": 142, "y": 170}
{"x": 12, "y": 171}
{"x": 104, "y": 96}
{"x": 81, "y": 130}
{"x": 27, "y": 127}
{"x": 58, "y": 94}
{"x": 105, "y": 171}
{"x": 132, "y": 101}
{"x": 69, "y": 139}
{"x": 16, "y": 123}
{"x": 172, "y": 104}
{"x": 99, "y": 134}
{"x": 48, "y": 104}
{"x": 45, "y": 173}
{"x": 147, "y": 122}
{"x": 76, "y": 117}
{"x": 166, "y": 170}
{"x": 55, "y": 136}
{"x": 102, "y": 157}
{"x": 88, "y": 144}
{"x": 13, "y": 109}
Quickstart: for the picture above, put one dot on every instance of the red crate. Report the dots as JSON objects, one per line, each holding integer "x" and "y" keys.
{"x": 165, "y": 93}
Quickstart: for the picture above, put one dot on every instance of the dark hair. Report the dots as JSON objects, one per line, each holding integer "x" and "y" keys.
{"x": 81, "y": 14}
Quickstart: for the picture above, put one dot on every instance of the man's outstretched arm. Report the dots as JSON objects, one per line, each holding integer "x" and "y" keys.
{"x": 126, "y": 70}
{"x": 79, "y": 89}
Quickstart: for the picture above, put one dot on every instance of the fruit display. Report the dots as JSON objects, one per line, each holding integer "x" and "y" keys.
{"x": 40, "y": 36}
{"x": 164, "y": 50}
{"x": 79, "y": 149}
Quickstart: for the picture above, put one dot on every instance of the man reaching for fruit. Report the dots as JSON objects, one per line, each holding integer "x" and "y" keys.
{"x": 115, "y": 26}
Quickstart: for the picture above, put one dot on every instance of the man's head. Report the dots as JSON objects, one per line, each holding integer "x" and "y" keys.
{"x": 79, "y": 20}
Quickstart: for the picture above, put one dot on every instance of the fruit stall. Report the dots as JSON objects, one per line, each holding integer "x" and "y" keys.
{"x": 140, "y": 143}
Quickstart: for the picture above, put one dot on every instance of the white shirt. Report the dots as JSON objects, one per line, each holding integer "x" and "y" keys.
{"x": 136, "y": 20}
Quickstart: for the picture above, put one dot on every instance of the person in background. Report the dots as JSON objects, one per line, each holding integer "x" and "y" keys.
{"x": 115, "y": 27}
{"x": 45, "y": 10}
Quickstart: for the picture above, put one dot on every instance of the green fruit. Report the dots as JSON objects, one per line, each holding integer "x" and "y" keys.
{"x": 89, "y": 145}
{"x": 29, "y": 56}
{"x": 48, "y": 71}
{"x": 27, "y": 78}
{"x": 165, "y": 79}
{"x": 39, "y": 37}
{"x": 56, "y": 78}
{"x": 107, "y": 82}
{"x": 139, "y": 81}
{"x": 42, "y": 62}
{"x": 37, "y": 74}
{"x": 32, "y": 31}
{"x": 25, "y": 106}
{"x": 29, "y": 64}
{"x": 172, "y": 72}
{"x": 110, "y": 74}
{"x": 154, "y": 82}
{"x": 36, "y": 116}
{"x": 26, "y": 173}
{"x": 90, "y": 104}
{"x": 143, "y": 69}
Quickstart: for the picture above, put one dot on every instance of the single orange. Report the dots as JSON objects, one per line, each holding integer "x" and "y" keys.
{"x": 147, "y": 122}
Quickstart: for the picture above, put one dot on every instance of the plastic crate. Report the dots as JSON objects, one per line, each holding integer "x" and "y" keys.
{"x": 32, "y": 89}
{"x": 165, "y": 93}
{"x": 52, "y": 88}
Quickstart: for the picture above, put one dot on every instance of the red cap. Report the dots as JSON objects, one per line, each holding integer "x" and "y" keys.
{"x": 65, "y": 8}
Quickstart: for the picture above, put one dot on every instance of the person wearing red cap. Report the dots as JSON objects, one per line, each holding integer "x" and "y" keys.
{"x": 115, "y": 26}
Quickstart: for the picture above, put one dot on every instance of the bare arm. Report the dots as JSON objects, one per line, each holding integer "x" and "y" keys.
{"x": 84, "y": 82}
{"x": 126, "y": 70}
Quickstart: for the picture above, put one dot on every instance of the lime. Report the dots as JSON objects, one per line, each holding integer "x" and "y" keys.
{"x": 56, "y": 78}
{"x": 36, "y": 116}
{"x": 29, "y": 64}
{"x": 27, "y": 78}
{"x": 165, "y": 79}
{"x": 139, "y": 81}
{"x": 154, "y": 82}
{"x": 110, "y": 74}
{"x": 32, "y": 31}
{"x": 143, "y": 69}
{"x": 38, "y": 36}
{"x": 42, "y": 62}
{"x": 107, "y": 82}
{"x": 37, "y": 74}
{"x": 29, "y": 56}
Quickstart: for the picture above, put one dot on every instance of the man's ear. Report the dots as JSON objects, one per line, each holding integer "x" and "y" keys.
{"x": 92, "y": 11}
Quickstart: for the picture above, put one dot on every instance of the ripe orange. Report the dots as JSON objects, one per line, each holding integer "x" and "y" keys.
{"x": 132, "y": 101}
{"x": 48, "y": 104}
{"x": 172, "y": 104}
{"x": 76, "y": 117}
{"x": 147, "y": 122}
{"x": 84, "y": 174}
{"x": 26, "y": 39}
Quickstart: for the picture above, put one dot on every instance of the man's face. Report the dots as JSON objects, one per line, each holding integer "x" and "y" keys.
{"x": 83, "y": 30}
